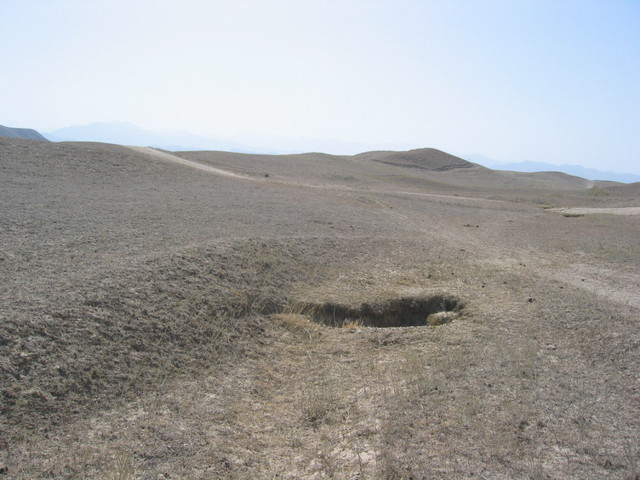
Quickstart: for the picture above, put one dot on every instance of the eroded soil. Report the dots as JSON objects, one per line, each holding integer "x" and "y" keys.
{"x": 156, "y": 319}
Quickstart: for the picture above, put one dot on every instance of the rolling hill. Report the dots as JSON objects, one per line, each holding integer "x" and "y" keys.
{"x": 387, "y": 315}
{"x": 25, "y": 133}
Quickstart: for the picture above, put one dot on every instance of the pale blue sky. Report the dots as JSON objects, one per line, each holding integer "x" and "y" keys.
{"x": 554, "y": 81}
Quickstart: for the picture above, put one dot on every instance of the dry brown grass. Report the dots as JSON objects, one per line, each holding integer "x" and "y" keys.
{"x": 177, "y": 332}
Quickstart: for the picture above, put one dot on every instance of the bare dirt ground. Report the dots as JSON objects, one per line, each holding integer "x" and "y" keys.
{"x": 208, "y": 315}
{"x": 610, "y": 210}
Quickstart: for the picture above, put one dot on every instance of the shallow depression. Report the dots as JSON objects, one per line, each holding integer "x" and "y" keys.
{"x": 402, "y": 312}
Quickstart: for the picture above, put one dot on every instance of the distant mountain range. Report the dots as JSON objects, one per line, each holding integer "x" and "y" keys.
{"x": 123, "y": 133}
{"x": 26, "y": 133}
{"x": 576, "y": 170}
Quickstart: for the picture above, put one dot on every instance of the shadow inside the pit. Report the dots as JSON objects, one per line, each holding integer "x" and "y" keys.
{"x": 401, "y": 312}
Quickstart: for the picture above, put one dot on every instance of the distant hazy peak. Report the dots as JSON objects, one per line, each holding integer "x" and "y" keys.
{"x": 25, "y": 133}
{"x": 575, "y": 170}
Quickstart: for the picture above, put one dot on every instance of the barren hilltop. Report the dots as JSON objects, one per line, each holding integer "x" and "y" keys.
{"x": 25, "y": 133}
{"x": 392, "y": 315}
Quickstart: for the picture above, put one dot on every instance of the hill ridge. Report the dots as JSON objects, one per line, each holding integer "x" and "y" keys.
{"x": 421, "y": 158}
{"x": 24, "y": 133}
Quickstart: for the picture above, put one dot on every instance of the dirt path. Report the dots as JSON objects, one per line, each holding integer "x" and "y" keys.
{"x": 175, "y": 159}
{"x": 610, "y": 211}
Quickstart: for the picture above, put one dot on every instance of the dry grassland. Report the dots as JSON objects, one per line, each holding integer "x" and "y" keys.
{"x": 385, "y": 316}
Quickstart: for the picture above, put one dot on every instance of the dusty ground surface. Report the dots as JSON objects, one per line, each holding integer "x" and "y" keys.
{"x": 606, "y": 210}
{"x": 161, "y": 320}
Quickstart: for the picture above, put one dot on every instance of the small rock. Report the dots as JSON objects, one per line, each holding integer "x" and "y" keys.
{"x": 440, "y": 318}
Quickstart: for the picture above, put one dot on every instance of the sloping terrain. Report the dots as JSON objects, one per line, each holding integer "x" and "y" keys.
{"x": 419, "y": 171}
{"x": 25, "y": 133}
{"x": 423, "y": 158}
{"x": 311, "y": 316}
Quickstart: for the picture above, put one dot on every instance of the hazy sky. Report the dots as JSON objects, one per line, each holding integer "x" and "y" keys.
{"x": 555, "y": 81}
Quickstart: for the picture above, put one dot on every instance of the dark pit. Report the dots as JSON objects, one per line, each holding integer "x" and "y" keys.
{"x": 402, "y": 312}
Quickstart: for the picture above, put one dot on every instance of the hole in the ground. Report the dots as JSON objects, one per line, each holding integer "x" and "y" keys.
{"x": 401, "y": 312}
